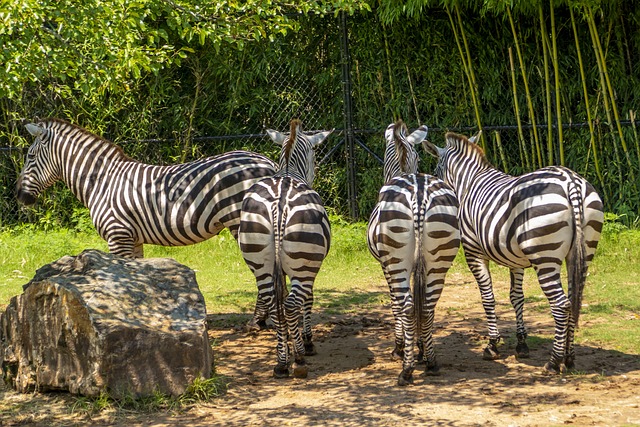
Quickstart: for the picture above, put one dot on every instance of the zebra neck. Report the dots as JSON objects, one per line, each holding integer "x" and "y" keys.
{"x": 87, "y": 168}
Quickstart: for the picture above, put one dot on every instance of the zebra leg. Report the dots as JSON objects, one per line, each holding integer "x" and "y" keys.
{"x": 123, "y": 246}
{"x": 259, "y": 320}
{"x": 434, "y": 290}
{"x": 517, "y": 301}
{"x": 480, "y": 269}
{"x": 138, "y": 251}
{"x": 396, "y": 309}
{"x": 570, "y": 352}
{"x": 408, "y": 320}
{"x": 307, "y": 333}
{"x": 549, "y": 278}
{"x": 293, "y": 313}
{"x": 398, "y": 350}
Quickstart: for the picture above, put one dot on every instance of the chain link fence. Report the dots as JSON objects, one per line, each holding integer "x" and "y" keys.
{"x": 349, "y": 171}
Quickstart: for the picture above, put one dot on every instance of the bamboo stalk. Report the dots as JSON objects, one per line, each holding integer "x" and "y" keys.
{"x": 547, "y": 84}
{"x": 468, "y": 73}
{"x": 526, "y": 89}
{"x": 192, "y": 112}
{"x": 556, "y": 70}
{"x": 388, "y": 60}
{"x": 605, "y": 98}
{"x": 474, "y": 88}
{"x": 505, "y": 168}
{"x": 524, "y": 156}
{"x": 632, "y": 117}
{"x": 592, "y": 139}
{"x": 614, "y": 106}
{"x": 413, "y": 95}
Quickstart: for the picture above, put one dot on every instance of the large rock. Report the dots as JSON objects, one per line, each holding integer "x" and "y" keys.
{"x": 98, "y": 322}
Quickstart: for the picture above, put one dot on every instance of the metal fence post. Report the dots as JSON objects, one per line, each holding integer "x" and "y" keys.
{"x": 348, "y": 117}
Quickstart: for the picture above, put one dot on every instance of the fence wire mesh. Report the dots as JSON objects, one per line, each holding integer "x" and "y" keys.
{"x": 311, "y": 88}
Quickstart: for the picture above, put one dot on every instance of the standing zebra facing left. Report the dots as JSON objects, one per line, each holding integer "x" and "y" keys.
{"x": 285, "y": 231}
{"x": 413, "y": 233}
{"x": 539, "y": 220}
{"x": 132, "y": 203}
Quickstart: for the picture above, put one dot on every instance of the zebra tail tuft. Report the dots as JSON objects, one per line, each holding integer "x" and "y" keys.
{"x": 280, "y": 290}
{"x": 577, "y": 275}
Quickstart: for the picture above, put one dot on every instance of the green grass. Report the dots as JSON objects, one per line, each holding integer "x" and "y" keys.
{"x": 350, "y": 280}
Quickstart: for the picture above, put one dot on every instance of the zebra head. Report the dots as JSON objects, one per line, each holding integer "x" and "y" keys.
{"x": 459, "y": 160}
{"x": 400, "y": 156}
{"x": 297, "y": 157}
{"x": 38, "y": 172}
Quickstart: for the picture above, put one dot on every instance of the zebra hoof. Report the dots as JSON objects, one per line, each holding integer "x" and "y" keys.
{"x": 552, "y": 367}
{"x": 491, "y": 352}
{"x": 432, "y": 370}
{"x": 522, "y": 350}
{"x": 300, "y": 370}
{"x": 310, "y": 349}
{"x": 281, "y": 371}
{"x": 397, "y": 353}
{"x": 570, "y": 362}
{"x": 405, "y": 378}
{"x": 256, "y": 325}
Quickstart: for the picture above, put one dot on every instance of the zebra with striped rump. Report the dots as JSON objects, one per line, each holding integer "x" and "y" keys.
{"x": 413, "y": 233}
{"x": 285, "y": 231}
{"x": 535, "y": 220}
{"x": 132, "y": 203}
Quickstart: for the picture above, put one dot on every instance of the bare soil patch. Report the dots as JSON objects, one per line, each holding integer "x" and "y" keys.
{"x": 352, "y": 379}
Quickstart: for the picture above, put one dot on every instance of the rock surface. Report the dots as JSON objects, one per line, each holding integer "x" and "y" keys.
{"x": 97, "y": 322}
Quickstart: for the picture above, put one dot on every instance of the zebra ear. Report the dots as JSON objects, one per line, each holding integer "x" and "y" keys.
{"x": 418, "y": 135}
{"x": 388, "y": 134}
{"x": 474, "y": 139}
{"x": 432, "y": 149}
{"x": 277, "y": 137}
{"x": 34, "y": 129}
{"x": 319, "y": 137}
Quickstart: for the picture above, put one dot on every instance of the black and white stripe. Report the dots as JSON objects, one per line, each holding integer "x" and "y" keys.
{"x": 284, "y": 231}
{"x": 132, "y": 203}
{"x": 535, "y": 220}
{"x": 413, "y": 233}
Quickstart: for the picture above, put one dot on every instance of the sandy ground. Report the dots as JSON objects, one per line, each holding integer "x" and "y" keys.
{"x": 352, "y": 379}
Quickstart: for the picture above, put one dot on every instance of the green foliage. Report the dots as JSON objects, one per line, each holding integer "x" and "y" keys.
{"x": 156, "y": 76}
{"x": 54, "y": 43}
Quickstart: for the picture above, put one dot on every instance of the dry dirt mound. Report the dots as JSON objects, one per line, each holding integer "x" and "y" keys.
{"x": 352, "y": 379}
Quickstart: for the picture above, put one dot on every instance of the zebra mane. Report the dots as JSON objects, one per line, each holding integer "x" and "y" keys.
{"x": 462, "y": 143}
{"x": 288, "y": 144}
{"x": 399, "y": 129}
{"x": 65, "y": 124}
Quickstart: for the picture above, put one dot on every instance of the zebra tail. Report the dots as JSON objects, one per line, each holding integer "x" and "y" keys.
{"x": 419, "y": 288}
{"x": 279, "y": 279}
{"x": 577, "y": 274}
{"x": 280, "y": 290}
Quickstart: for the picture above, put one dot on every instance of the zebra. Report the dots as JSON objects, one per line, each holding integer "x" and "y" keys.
{"x": 132, "y": 203}
{"x": 534, "y": 220}
{"x": 285, "y": 231}
{"x": 413, "y": 233}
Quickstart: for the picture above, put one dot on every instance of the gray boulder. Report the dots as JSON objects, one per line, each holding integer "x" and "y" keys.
{"x": 98, "y": 322}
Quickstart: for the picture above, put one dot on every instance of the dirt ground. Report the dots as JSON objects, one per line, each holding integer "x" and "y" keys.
{"x": 352, "y": 379}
